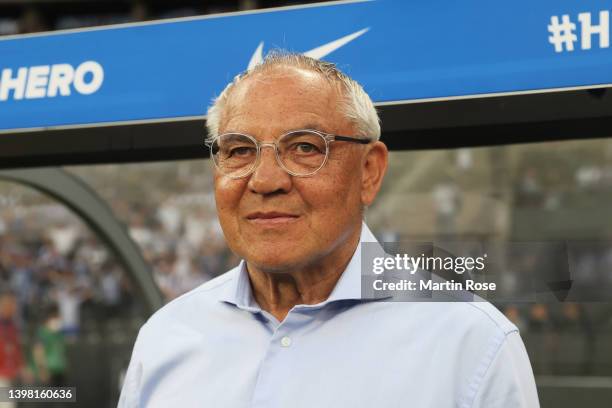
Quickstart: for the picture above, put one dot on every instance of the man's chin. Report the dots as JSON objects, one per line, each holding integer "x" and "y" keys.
{"x": 276, "y": 236}
{"x": 282, "y": 260}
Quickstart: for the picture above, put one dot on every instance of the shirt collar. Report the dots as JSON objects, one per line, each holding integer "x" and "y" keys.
{"x": 239, "y": 293}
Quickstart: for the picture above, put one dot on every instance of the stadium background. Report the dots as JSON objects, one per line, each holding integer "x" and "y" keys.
{"x": 48, "y": 256}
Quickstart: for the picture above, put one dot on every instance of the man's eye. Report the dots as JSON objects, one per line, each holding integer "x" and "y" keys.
{"x": 306, "y": 148}
{"x": 240, "y": 151}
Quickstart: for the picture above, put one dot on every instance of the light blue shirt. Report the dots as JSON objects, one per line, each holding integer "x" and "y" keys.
{"x": 214, "y": 347}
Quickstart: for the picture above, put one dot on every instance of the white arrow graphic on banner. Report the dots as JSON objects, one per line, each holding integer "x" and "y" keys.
{"x": 316, "y": 53}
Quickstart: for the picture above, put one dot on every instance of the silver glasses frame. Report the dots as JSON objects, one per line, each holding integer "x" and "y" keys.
{"x": 328, "y": 137}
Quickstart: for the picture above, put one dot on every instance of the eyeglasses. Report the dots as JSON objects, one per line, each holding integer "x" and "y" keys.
{"x": 300, "y": 153}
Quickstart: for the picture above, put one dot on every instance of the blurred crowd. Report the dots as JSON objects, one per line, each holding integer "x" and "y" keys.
{"x": 43, "y": 361}
{"x": 49, "y": 285}
{"x": 24, "y": 16}
{"x": 552, "y": 188}
{"x": 181, "y": 239}
{"x": 58, "y": 283}
{"x": 565, "y": 338}
{"x": 41, "y": 276}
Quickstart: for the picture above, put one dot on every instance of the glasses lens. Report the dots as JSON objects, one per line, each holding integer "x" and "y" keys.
{"x": 302, "y": 152}
{"x": 234, "y": 154}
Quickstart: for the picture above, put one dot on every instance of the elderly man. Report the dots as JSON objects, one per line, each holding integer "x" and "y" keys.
{"x": 297, "y": 160}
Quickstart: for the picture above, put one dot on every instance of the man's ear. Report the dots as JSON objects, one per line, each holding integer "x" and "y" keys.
{"x": 374, "y": 168}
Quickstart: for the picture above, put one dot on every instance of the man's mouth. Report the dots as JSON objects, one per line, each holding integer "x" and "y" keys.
{"x": 271, "y": 217}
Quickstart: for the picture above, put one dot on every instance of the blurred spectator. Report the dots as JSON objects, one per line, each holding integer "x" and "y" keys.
{"x": 575, "y": 319}
{"x": 110, "y": 285}
{"x": 49, "y": 350}
{"x": 539, "y": 318}
{"x": 464, "y": 159}
{"x": 11, "y": 361}
{"x": 513, "y": 314}
{"x": 21, "y": 281}
{"x": 588, "y": 176}
{"x": 540, "y": 323}
{"x": 8, "y": 26}
{"x": 64, "y": 237}
{"x": 32, "y": 20}
{"x": 447, "y": 202}
{"x": 529, "y": 190}
{"x": 69, "y": 297}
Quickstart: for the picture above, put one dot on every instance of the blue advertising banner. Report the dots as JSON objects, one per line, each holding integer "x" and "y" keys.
{"x": 399, "y": 50}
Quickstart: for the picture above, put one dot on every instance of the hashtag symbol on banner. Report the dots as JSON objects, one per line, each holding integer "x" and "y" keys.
{"x": 562, "y": 33}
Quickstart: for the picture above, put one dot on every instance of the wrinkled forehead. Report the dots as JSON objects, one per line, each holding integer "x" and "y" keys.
{"x": 282, "y": 98}
{"x": 283, "y": 79}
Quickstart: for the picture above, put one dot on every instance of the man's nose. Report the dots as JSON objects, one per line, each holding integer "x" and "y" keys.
{"x": 268, "y": 176}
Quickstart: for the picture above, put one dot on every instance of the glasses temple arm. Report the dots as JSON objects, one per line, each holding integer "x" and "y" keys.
{"x": 351, "y": 139}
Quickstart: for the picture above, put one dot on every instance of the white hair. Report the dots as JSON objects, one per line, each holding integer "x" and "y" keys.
{"x": 356, "y": 103}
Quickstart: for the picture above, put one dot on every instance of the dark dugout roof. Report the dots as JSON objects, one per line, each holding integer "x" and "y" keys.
{"x": 487, "y": 121}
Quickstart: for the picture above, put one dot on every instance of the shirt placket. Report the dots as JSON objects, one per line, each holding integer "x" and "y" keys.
{"x": 283, "y": 343}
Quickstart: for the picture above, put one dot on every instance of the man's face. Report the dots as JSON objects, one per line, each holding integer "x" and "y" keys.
{"x": 272, "y": 219}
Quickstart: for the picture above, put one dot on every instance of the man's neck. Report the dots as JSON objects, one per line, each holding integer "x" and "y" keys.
{"x": 279, "y": 291}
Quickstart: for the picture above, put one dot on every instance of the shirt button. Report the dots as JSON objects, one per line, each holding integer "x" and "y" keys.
{"x": 286, "y": 341}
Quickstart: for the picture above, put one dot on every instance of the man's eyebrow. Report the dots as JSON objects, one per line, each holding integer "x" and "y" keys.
{"x": 311, "y": 125}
